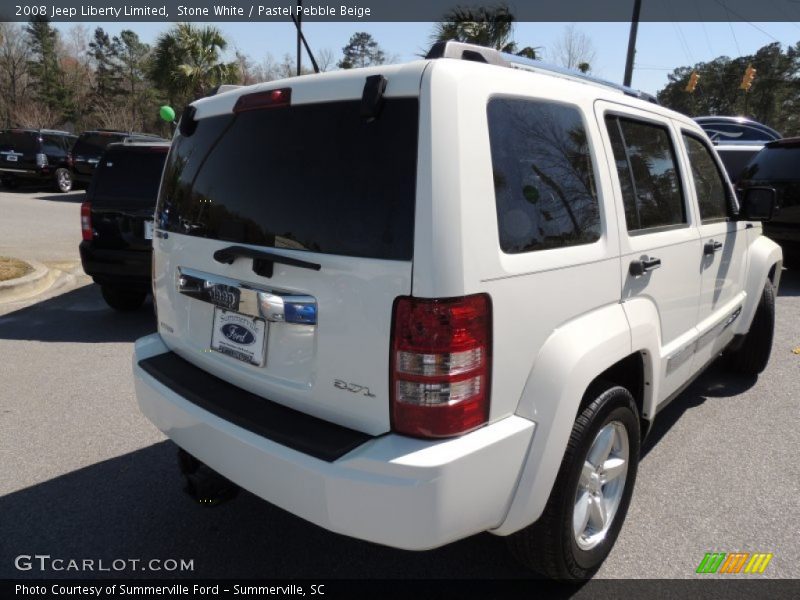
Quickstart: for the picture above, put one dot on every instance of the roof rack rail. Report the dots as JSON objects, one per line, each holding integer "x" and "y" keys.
{"x": 473, "y": 52}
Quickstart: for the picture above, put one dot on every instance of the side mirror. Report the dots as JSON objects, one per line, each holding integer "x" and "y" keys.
{"x": 757, "y": 204}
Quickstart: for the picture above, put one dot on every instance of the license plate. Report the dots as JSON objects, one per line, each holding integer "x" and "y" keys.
{"x": 148, "y": 230}
{"x": 239, "y": 336}
{"x": 11, "y": 158}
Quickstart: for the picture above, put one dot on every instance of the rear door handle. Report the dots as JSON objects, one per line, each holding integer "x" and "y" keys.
{"x": 711, "y": 246}
{"x": 644, "y": 265}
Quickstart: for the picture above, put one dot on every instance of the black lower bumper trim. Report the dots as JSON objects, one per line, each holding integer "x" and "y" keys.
{"x": 288, "y": 427}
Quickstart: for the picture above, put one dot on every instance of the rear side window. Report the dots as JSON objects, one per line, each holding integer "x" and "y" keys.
{"x": 129, "y": 174}
{"x": 709, "y": 184}
{"x": 648, "y": 174}
{"x": 53, "y": 145}
{"x": 775, "y": 163}
{"x": 315, "y": 177}
{"x": 543, "y": 175}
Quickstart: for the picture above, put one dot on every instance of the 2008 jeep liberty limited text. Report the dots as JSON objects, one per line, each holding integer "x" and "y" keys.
{"x": 412, "y": 303}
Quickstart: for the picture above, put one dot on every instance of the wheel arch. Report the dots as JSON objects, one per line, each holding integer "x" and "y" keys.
{"x": 589, "y": 347}
{"x": 765, "y": 261}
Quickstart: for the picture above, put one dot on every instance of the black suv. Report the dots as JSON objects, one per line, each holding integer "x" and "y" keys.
{"x": 737, "y": 140}
{"x": 117, "y": 221}
{"x": 90, "y": 147}
{"x": 36, "y": 154}
{"x": 778, "y": 166}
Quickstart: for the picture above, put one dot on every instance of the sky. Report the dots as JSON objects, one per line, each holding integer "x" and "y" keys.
{"x": 661, "y": 47}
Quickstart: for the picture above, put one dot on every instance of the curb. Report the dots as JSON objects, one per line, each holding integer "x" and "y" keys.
{"x": 28, "y": 285}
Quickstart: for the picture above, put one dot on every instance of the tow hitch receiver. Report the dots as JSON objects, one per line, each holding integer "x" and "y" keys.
{"x": 204, "y": 484}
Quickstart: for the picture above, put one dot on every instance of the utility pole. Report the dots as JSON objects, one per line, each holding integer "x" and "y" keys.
{"x": 637, "y": 7}
{"x": 299, "y": 35}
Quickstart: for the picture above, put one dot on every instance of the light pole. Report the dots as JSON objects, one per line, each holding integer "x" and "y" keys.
{"x": 637, "y": 6}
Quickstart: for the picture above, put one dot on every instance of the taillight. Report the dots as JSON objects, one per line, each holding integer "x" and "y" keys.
{"x": 86, "y": 221}
{"x": 41, "y": 160}
{"x": 70, "y": 161}
{"x": 259, "y": 100}
{"x": 440, "y": 365}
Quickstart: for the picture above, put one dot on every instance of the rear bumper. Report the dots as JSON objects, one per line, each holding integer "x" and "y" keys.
{"x": 129, "y": 268}
{"x": 392, "y": 490}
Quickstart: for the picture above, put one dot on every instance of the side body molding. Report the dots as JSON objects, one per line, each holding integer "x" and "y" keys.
{"x": 568, "y": 362}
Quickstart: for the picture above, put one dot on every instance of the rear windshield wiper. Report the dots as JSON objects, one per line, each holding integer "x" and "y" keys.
{"x": 263, "y": 261}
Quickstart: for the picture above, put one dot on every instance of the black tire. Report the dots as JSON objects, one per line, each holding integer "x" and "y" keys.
{"x": 123, "y": 299}
{"x": 752, "y": 356}
{"x": 549, "y": 545}
{"x": 10, "y": 182}
{"x": 62, "y": 180}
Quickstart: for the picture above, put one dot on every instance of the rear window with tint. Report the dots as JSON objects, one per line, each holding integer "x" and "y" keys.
{"x": 129, "y": 174}
{"x": 780, "y": 162}
{"x": 19, "y": 141}
{"x": 95, "y": 143}
{"x": 315, "y": 177}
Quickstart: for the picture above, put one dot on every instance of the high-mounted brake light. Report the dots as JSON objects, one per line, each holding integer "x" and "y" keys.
{"x": 440, "y": 365}
{"x": 259, "y": 100}
{"x": 86, "y": 221}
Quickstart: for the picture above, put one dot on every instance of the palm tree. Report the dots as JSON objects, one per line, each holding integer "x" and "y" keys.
{"x": 490, "y": 27}
{"x": 186, "y": 62}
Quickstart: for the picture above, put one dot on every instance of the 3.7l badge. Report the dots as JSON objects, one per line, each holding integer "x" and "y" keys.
{"x": 353, "y": 388}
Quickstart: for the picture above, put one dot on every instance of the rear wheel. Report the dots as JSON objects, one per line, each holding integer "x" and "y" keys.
{"x": 10, "y": 182}
{"x": 62, "y": 179}
{"x": 590, "y": 498}
{"x": 752, "y": 356}
{"x": 123, "y": 299}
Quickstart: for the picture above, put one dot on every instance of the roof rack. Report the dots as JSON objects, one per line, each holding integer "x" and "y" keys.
{"x": 473, "y": 52}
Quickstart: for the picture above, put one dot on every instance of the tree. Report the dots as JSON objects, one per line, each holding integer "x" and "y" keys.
{"x": 14, "y": 71}
{"x": 574, "y": 50}
{"x": 43, "y": 64}
{"x": 361, "y": 51}
{"x": 186, "y": 63}
{"x": 101, "y": 50}
{"x": 774, "y": 98}
{"x": 490, "y": 27}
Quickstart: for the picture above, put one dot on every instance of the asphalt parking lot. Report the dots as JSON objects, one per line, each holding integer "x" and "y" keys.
{"x": 84, "y": 475}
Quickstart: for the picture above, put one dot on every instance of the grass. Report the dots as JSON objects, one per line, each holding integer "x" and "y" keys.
{"x": 11, "y": 268}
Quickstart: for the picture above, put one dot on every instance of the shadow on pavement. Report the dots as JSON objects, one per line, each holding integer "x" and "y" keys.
{"x": 716, "y": 382}
{"x": 75, "y": 196}
{"x": 132, "y": 506}
{"x": 790, "y": 282}
{"x": 77, "y": 316}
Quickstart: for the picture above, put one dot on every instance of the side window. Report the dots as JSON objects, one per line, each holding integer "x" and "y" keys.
{"x": 51, "y": 145}
{"x": 544, "y": 184}
{"x": 648, "y": 174}
{"x": 710, "y": 186}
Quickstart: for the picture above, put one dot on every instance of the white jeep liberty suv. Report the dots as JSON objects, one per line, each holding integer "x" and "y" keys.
{"x": 411, "y": 303}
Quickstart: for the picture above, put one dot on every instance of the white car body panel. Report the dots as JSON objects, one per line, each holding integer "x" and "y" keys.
{"x": 561, "y": 317}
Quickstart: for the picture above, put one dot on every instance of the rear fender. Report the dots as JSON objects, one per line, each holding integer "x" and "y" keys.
{"x": 574, "y": 355}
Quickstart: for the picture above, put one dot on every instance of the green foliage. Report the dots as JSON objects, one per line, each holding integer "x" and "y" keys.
{"x": 490, "y": 27}
{"x": 187, "y": 65}
{"x": 774, "y": 98}
{"x": 361, "y": 51}
{"x": 44, "y": 67}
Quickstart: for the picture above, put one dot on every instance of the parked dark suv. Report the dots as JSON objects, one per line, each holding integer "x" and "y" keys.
{"x": 90, "y": 147}
{"x": 737, "y": 140}
{"x": 36, "y": 154}
{"x": 117, "y": 221}
{"x": 778, "y": 166}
